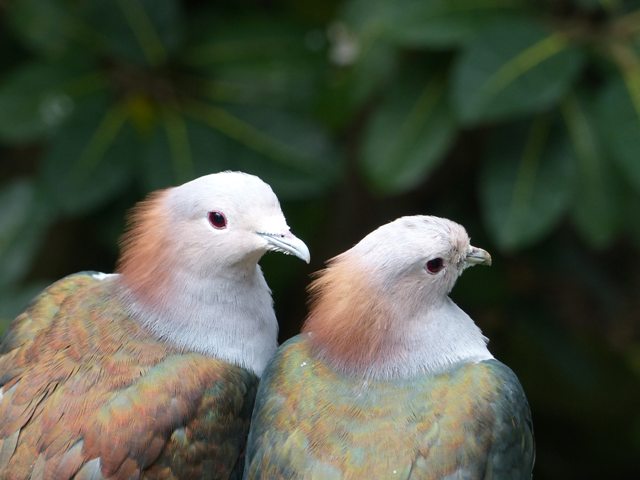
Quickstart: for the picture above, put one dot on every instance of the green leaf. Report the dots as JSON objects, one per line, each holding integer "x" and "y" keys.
{"x": 91, "y": 158}
{"x": 47, "y": 26}
{"x": 350, "y": 87}
{"x": 409, "y": 134}
{"x": 140, "y": 31}
{"x": 24, "y": 219}
{"x": 618, "y": 118}
{"x": 181, "y": 149}
{"x": 631, "y": 206}
{"x": 257, "y": 61}
{"x": 597, "y": 200}
{"x": 526, "y": 183}
{"x": 513, "y": 69}
{"x": 38, "y": 97}
{"x": 435, "y": 23}
{"x": 290, "y": 152}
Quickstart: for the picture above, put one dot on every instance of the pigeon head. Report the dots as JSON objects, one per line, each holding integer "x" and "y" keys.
{"x": 218, "y": 224}
{"x": 230, "y": 218}
{"x": 418, "y": 255}
{"x": 371, "y": 300}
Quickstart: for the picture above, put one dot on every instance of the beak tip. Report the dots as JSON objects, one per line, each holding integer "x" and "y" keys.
{"x": 304, "y": 256}
{"x": 478, "y": 256}
{"x": 288, "y": 244}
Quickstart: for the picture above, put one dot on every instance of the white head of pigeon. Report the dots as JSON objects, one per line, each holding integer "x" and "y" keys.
{"x": 381, "y": 309}
{"x": 189, "y": 266}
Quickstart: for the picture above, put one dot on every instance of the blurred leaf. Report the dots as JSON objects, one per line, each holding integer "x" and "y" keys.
{"x": 593, "y": 4}
{"x": 526, "y": 183}
{"x": 37, "y": 97}
{"x": 182, "y": 149}
{"x": 262, "y": 61}
{"x": 596, "y": 205}
{"x": 618, "y": 118}
{"x": 288, "y": 151}
{"x": 409, "y": 133}
{"x": 631, "y": 206}
{"x": 47, "y": 26}
{"x": 350, "y": 87}
{"x": 12, "y": 52}
{"x": 434, "y": 23}
{"x": 140, "y": 31}
{"x": 24, "y": 219}
{"x": 14, "y": 301}
{"x": 91, "y": 158}
{"x": 512, "y": 69}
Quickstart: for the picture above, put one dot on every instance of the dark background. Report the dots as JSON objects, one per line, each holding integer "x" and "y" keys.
{"x": 520, "y": 120}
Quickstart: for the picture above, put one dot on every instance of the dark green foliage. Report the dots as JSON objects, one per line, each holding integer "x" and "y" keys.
{"x": 417, "y": 111}
{"x": 526, "y": 184}
{"x": 512, "y": 69}
{"x": 519, "y": 119}
{"x": 23, "y": 221}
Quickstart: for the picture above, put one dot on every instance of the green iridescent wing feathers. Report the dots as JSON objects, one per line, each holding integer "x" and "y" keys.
{"x": 85, "y": 392}
{"x": 310, "y": 422}
{"x": 512, "y": 452}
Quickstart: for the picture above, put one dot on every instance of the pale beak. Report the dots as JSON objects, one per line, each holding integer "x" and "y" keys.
{"x": 286, "y": 243}
{"x": 477, "y": 256}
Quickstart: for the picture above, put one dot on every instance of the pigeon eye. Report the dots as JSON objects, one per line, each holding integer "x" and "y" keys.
{"x": 435, "y": 265}
{"x": 217, "y": 220}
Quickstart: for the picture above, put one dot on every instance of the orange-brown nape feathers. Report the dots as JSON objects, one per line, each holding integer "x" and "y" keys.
{"x": 146, "y": 256}
{"x": 348, "y": 319}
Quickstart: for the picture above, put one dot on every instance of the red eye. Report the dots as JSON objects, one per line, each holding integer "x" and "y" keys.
{"x": 217, "y": 220}
{"x": 435, "y": 265}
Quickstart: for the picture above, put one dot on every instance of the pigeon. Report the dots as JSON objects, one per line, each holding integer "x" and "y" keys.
{"x": 150, "y": 372}
{"x": 389, "y": 378}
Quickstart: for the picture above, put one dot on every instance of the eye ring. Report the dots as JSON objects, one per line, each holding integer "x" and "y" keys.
{"x": 435, "y": 265}
{"x": 217, "y": 220}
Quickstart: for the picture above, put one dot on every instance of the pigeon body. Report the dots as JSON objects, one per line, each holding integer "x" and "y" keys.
{"x": 390, "y": 379}
{"x": 151, "y": 372}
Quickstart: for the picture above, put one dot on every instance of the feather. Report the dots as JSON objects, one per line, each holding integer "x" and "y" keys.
{"x": 148, "y": 255}
{"x": 38, "y": 468}
{"x": 150, "y": 372}
{"x": 390, "y": 379}
{"x": 7, "y": 448}
{"x": 90, "y": 471}
{"x": 70, "y": 462}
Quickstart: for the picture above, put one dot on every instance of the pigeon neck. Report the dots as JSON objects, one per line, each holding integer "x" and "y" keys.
{"x": 382, "y": 331}
{"x": 223, "y": 311}
{"x": 225, "y": 316}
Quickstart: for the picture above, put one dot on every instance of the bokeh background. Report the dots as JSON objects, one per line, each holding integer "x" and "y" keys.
{"x": 518, "y": 119}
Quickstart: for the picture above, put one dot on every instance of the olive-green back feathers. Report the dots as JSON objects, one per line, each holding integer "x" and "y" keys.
{"x": 312, "y": 422}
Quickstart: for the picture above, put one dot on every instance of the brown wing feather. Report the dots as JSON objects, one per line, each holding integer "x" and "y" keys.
{"x": 87, "y": 392}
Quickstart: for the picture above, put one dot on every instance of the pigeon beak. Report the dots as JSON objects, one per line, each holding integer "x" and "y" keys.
{"x": 286, "y": 243}
{"x": 477, "y": 256}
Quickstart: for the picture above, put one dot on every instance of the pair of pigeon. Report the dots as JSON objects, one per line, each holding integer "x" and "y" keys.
{"x": 154, "y": 372}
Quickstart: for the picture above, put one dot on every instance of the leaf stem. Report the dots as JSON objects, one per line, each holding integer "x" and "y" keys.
{"x": 249, "y": 136}
{"x": 629, "y": 65}
{"x": 581, "y": 135}
{"x": 144, "y": 30}
{"x": 179, "y": 145}
{"x": 101, "y": 139}
{"x": 524, "y": 61}
{"x": 529, "y": 163}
